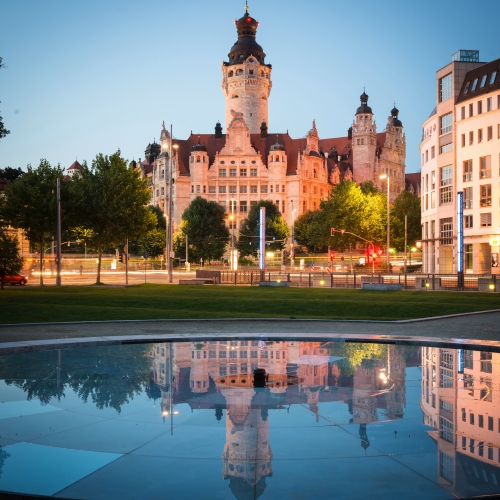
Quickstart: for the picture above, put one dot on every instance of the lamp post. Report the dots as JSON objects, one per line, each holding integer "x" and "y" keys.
{"x": 170, "y": 184}
{"x": 386, "y": 176}
{"x": 292, "y": 244}
{"x": 231, "y": 217}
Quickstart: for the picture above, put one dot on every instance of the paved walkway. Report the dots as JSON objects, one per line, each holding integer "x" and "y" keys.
{"x": 473, "y": 327}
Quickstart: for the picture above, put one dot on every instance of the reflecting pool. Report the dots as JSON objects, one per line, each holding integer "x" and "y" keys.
{"x": 251, "y": 419}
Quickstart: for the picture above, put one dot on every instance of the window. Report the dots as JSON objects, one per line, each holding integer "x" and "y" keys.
{"x": 232, "y": 172}
{"x": 471, "y": 110}
{"x": 468, "y": 354}
{"x": 222, "y": 172}
{"x": 433, "y": 179}
{"x": 212, "y": 354}
{"x": 490, "y": 133}
{"x": 243, "y": 189}
{"x": 446, "y": 123}
{"x": 426, "y": 155}
{"x": 232, "y": 189}
{"x": 222, "y": 370}
{"x": 467, "y": 85}
{"x": 489, "y": 104}
{"x": 480, "y": 135}
{"x": 198, "y": 190}
{"x": 447, "y": 359}
{"x": 468, "y": 381}
{"x": 271, "y": 187}
{"x": 192, "y": 190}
{"x": 433, "y": 152}
{"x": 462, "y": 113}
{"x": 446, "y": 378}
{"x": 222, "y": 354}
{"x": 263, "y": 189}
{"x": 471, "y": 138}
{"x": 446, "y": 466}
{"x": 490, "y": 424}
{"x": 211, "y": 189}
{"x": 483, "y": 81}
{"x": 444, "y": 405}
{"x": 468, "y": 221}
{"x": 446, "y": 230}
{"x": 486, "y": 220}
{"x": 467, "y": 170}
{"x": 474, "y": 85}
{"x": 485, "y": 167}
{"x": 464, "y": 415}
{"x": 244, "y": 354}
{"x": 445, "y": 88}
{"x": 446, "y": 429}
{"x": 485, "y": 195}
{"x": 243, "y": 172}
{"x": 222, "y": 189}
{"x": 463, "y": 140}
{"x": 446, "y": 148}
{"x": 446, "y": 189}
{"x": 471, "y": 420}
{"x": 493, "y": 76}
{"x": 253, "y": 189}
{"x": 480, "y": 421}
{"x": 243, "y": 206}
{"x": 479, "y": 107}
{"x": 485, "y": 392}
{"x": 253, "y": 172}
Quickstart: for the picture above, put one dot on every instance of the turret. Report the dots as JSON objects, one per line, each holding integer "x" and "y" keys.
{"x": 246, "y": 79}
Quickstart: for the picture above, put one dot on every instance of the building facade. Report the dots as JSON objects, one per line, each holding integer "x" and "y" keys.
{"x": 460, "y": 151}
{"x": 248, "y": 163}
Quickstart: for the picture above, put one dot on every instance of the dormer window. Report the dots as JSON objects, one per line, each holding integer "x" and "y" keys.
{"x": 493, "y": 76}
{"x": 474, "y": 85}
{"x": 250, "y": 71}
{"x": 483, "y": 81}
{"x": 467, "y": 85}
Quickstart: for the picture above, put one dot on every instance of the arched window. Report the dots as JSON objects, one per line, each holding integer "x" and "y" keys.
{"x": 277, "y": 158}
{"x": 235, "y": 96}
{"x": 197, "y": 159}
{"x": 264, "y": 97}
{"x": 230, "y": 74}
{"x": 315, "y": 174}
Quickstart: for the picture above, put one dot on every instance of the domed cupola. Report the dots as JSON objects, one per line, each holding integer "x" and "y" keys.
{"x": 396, "y": 122}
{"x": 152, "y": 152}
{"x": 277, "y": 146}
{"x": 246, "y": 45}
{"x": 364, "y": 108}
{"x": 199, "y": 146}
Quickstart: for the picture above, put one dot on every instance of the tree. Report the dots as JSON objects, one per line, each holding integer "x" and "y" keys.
{"x": 303, "y": 227}
{"x": 153, "y": 242}
{"x": 277, "y": 230}
{"x": 3, "y": 130}
{"x": 203, "y": 224}
{"x": 10, "y": 174}
{"x": 110, "y": 200}
{"x": 11, "y": 261}
{"x": 405, "y": 204}
{"x": 30, "y": 204}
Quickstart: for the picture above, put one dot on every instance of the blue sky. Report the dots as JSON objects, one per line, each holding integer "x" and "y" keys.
{"x": 89, "y": 77}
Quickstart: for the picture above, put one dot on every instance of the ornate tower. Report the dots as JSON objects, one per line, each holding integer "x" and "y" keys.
{"x": 246, "y": 79}
{"x": 364, "y": 143}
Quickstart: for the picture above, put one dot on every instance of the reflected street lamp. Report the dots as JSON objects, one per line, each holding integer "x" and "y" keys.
{"x": 385, "y": 176}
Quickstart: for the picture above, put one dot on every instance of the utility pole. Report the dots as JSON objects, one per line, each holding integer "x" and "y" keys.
{"x": 170, "y": 177}
{"x": 58, "y": 199}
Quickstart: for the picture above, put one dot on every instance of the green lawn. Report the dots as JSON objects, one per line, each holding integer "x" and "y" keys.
{"x": 36, "y": 304}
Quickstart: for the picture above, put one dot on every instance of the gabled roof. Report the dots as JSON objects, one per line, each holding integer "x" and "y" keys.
{"x": 75, "y": 166}
{"x": 263, "y": 145}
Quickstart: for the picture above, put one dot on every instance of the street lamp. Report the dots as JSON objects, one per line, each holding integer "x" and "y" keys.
{"x": 293, "y": 237}
{"x": 231, "y": 218}
{"x": 170, "y": 184}
{"x": 386, "y": 176}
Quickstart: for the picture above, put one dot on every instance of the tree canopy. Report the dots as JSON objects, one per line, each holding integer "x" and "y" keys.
{"x": 30, "y": 204}
{"x": 10, "y": 174}
{"x": 11, "y": 261}
{"x": 405, "y": 204}
{"x": 277, "y": 230}
{"x": 203, "y": 222}
{"x": 110, "y": 200}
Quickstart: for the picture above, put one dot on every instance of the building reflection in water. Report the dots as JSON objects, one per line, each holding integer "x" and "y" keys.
{"x": 460, "y": 399}
{"x": 246, "y": 379}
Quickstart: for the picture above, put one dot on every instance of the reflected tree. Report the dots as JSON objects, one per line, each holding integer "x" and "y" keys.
{"x": 108, "y": 376}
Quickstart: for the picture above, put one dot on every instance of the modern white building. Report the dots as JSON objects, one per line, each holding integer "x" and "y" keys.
{"x": 460, "y": 151}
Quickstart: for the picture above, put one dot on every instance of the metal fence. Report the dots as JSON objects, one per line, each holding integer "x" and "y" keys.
{"x": 449, "y": 282}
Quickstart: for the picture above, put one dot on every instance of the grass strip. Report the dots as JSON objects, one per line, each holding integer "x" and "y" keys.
{"x": 90, "y": 303}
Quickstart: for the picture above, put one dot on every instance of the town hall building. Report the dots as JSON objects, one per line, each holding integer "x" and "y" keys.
{"x": 248, "y": 163}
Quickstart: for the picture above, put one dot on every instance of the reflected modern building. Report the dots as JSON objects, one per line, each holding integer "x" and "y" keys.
{"x": 458, "y": 400}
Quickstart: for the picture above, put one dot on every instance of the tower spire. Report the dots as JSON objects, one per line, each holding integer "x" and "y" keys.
{"x": 246, "y": 6}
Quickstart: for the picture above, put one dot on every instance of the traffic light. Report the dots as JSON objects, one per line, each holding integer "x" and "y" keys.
{"x": 332, "y": 254}
{"x": 285, "y": 253}
{"x": 120, "y": 258}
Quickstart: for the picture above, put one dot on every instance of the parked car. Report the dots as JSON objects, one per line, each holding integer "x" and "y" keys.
{"x": 15, "y": 279}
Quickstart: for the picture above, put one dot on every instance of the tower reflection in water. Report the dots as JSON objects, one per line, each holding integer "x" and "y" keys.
{"x": 246, "y": 379}
{"x": 460, "y": 400}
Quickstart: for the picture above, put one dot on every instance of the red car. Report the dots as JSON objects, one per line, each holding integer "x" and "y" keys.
{"x": 15, "y": 279}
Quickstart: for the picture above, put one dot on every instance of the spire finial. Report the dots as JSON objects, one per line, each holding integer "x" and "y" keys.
{"x": 163, "y": 124}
